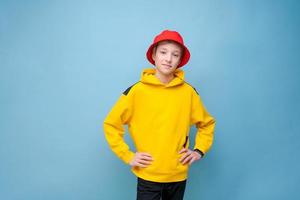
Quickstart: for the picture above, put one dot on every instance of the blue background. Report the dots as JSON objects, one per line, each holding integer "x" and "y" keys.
{"x": 65, "y": 63}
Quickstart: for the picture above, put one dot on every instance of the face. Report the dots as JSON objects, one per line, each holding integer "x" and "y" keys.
{"x": 167, "y": 56}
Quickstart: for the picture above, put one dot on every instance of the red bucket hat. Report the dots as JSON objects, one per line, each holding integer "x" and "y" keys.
{"x": 169, "y": 35}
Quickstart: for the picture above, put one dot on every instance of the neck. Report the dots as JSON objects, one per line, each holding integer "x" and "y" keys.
{"x": 165, "y": 79}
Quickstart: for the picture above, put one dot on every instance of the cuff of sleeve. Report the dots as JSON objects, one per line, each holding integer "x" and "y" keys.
{"x": 200, "y": 152}
{"x": 128, "y": 157}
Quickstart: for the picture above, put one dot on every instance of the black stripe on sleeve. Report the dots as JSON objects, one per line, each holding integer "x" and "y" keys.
{"x": 128, "y": 89}
{"x": 192, "y": 87}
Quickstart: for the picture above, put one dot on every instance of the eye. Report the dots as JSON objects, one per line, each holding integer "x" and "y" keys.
{"x": 176, "y": 55}
{"x": 163, "y": 52}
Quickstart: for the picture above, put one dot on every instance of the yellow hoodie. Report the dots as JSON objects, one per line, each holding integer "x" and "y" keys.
{"x": 159, "y": 117}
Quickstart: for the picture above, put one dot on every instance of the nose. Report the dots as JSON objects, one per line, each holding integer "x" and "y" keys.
{"x": 169, "y": 58}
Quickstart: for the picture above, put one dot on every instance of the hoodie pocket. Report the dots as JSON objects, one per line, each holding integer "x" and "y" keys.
{"x": 167, "y": 165}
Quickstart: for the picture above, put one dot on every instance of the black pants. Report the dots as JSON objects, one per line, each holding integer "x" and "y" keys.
{"x": 148, "y": 190}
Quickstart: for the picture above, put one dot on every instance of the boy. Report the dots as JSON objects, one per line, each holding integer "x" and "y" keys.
{"x": 159, "y": 111}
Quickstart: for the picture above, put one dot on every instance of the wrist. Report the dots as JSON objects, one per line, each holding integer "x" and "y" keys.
{"x": 199, "y": 152}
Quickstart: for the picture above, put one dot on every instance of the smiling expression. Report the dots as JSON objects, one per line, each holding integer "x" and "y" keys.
{"x": 167, "y": 56}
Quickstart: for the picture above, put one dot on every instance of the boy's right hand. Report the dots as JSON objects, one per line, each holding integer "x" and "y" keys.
{"x": 141, "y": 159}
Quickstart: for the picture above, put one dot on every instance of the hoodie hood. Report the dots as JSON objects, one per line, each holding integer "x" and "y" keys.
{"x": 148, "y": 77}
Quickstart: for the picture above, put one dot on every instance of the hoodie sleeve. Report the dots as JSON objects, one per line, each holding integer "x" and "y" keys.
{"x": 204, "y": 123}
{"x": 114, "y": 130}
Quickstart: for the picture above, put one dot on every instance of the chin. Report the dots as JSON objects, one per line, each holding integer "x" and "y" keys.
{"x": 167, "y": 71}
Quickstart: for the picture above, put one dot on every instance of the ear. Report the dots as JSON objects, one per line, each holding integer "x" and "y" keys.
{"x": 153, "y": 53}
{"x": 153, "y": 56}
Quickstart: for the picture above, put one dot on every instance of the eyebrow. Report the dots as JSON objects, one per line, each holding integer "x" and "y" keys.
{"x": 167, "y": 49}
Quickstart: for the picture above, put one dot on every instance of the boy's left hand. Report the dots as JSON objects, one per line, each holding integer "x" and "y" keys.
{"x": 189, "y": 156}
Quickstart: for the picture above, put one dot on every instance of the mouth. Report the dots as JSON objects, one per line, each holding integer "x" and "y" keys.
{"x": 169, "y": 66}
